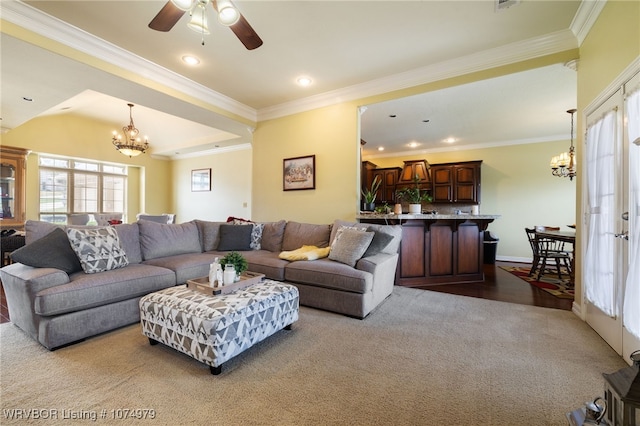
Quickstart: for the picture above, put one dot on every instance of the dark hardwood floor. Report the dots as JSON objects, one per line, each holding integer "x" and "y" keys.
{"x": 498, "y": 285}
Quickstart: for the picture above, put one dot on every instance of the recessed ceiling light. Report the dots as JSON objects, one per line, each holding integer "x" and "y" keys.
{"x": 450, "y": 140}
{"x": 425, "y": 121}
{"x": 28, "y": 99}
{"x": 413, "y": 144}
{"x": 392, "y": 115}
{"x": 303, "y": 81}
{"x": 381, "y": 148}
{"x": 190, "y": 60}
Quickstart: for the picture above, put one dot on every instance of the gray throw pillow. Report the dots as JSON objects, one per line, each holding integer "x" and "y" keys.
{"x": 51, "y": 251}
{"x": 235, "y": 237}
{"x": 98, "y": 249}
{"x": 350, "y": 245}
{"x": 379, "y": 242}
{"x": 272, "y": 236}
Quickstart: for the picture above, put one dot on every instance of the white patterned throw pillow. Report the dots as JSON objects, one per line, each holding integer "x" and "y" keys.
{"x": 98, "y": 249}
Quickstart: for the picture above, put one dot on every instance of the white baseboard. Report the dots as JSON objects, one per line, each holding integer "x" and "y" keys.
{"x": 514, "y": 259}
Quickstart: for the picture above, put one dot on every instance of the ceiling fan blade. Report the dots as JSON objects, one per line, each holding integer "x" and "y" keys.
{"x": 166, "y": 18}
{"x": 245, "y": 33}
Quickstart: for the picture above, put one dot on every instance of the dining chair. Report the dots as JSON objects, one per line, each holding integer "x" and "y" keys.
{"x": 103, "y": 218}
{"x": 77, "y": 219}
{"x": 545, "y": 249}
{"x": 160, "y": 218}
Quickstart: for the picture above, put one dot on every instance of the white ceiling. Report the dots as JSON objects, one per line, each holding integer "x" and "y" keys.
{"x": 350, "y": 49}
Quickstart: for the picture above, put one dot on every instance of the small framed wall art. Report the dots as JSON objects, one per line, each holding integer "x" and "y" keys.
{"x": 299, "y": 173}
{"x": 200, "y": 180}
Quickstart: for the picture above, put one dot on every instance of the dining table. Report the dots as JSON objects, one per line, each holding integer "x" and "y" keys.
{"x": 565, "y": 237}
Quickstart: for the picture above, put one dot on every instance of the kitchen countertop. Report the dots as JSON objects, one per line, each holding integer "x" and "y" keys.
{"x": 436, "y": 216}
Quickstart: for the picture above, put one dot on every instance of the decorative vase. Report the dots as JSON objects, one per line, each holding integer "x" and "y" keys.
{"x": 415, "y": 208}
{"x": 397, "y": 209}
{"x": 368, "y": 207}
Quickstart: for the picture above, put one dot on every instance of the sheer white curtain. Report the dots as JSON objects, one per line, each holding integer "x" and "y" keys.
{"x": 631, "y": 309}
{"x": 599, "y": 265}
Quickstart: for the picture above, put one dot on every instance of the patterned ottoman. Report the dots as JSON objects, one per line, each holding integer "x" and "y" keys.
{"x": 214, "y": 329}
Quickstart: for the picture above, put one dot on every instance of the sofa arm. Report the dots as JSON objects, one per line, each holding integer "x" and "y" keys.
{"x": 383, "y": 268}
{"x": 21, "y": 284}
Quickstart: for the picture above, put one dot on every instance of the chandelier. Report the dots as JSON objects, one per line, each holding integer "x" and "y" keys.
{"x": 131, "y": 146}
{"x": 564, "y": 165}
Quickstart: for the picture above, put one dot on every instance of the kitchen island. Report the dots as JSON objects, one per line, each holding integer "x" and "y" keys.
{"x": 437, "y": 248}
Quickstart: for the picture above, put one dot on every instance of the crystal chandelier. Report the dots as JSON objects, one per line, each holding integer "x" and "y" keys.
{"x": 131, "y": 146}
{"x": 564, "y": 165}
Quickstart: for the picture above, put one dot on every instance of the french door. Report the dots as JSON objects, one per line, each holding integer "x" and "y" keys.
{"x": 611, "y": 161}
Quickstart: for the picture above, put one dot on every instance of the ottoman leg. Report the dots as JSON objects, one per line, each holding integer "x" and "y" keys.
{"x": 215, "y": 370}
{"x": 153, "y": 342}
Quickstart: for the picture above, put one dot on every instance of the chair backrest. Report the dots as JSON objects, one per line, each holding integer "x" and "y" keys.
{"x": 547, "y": 228}
{"x": 162, "y": 218}
{"x": 78, "y": 219}
{"x": 531, "y": 235}
{"x": 541, "y": 245}
{"x": 103, "y": 218}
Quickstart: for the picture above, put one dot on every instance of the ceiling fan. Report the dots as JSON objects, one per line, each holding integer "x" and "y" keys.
{"x": 228, "y": 15}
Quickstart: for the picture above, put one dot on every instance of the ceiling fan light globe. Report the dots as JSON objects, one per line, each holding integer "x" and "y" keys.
{"x": 228, "y": 16}
{"x": 182, "y": 4}
{"x": 199, "y": 21}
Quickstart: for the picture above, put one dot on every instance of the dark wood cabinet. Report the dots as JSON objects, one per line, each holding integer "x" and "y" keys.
{"x": 413, "y": 168}
{"x": 388, "y": 178}
{"x": 456, "y": 182}
{"x": 439, "y": 251}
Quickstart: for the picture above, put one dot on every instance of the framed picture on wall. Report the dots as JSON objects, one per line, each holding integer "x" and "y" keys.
{"x": 299, "y": 173}
{"x": 200, "y": 180}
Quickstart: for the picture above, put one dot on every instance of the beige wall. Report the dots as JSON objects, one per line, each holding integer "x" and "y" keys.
{"x": 328, "y": 133}
{"x": 610, "y": 47}
{"x": 149, "y": 185}
{"x": 230, "y": 193}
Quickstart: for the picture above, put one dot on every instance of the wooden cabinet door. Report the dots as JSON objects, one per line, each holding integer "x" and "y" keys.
{"x": 13, "y": 163}
{"x": 465, "y": 189}
{"x": 389, "y": 178}
{"x": 442, "y": 184}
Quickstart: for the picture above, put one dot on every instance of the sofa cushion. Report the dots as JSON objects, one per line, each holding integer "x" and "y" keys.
{"x": 272, "y": 236}
{"x": 36, "y": 229}
{"x": 267, "y": 263}
{"x": 350, "y": 245}
{"x": 186, "y": 266}
{"x": 209, "y": 234}
{"x": 329, "y": 274}
{"x": 338, "y": 223}
{"x": 298, "y": 234}
{"x": 51, "y": 251}
{"x": 98, "y": 249}
{"x": 305, "y": 253}
{"x": 89, "y": 290}
{"x": 395, "y": 231}
{"x": 161, "y": 240}
{"x": 129, "y": 234}
{"x": 379, "y": 242}
{"x": 235, "y": 237}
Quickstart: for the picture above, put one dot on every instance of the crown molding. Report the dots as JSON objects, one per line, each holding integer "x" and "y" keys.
{"x": 515, "y": 52}
{"x": 452, "y": 148}
{"x": 52, "y": 28}
{"x": 213, "y": 151}
{"x": 585, "y": 17}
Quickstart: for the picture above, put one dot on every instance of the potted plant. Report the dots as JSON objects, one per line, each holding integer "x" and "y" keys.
{"x": 238, "y": 261}
{"x": 414, "y": 196}
{"x": 369, "y": 195}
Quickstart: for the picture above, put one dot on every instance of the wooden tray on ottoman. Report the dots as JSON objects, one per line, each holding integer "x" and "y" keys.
{"x": 202, "y": 285}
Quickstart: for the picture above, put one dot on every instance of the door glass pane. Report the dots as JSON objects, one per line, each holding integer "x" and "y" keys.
{"x": 8, "y": 189}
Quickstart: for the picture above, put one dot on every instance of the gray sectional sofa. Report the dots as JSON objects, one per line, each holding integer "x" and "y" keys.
{"x": 64, "y": 304}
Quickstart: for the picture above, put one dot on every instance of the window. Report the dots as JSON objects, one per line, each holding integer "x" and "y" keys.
{"x": 69, "y": 186}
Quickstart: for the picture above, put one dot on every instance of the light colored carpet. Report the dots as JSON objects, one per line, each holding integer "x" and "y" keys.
{"x": 421, "y": 358}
